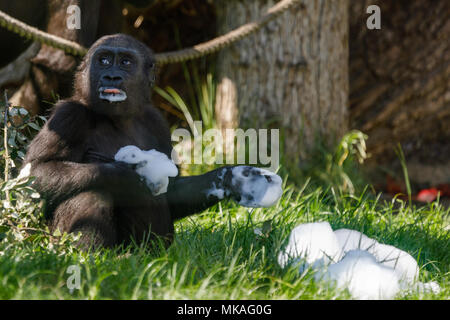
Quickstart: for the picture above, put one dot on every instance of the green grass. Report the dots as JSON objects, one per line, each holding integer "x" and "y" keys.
{"x": 217, "y": 255}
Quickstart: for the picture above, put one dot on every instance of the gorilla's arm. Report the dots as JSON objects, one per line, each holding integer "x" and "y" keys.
{"x": 55, "y": 155}
{"x": 249, "y": 186}
{"x": 193, "y": 194}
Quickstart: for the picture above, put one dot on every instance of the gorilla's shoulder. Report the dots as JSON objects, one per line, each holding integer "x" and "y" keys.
{"x": 68, "y": 108}
{"x": 68, "y": 117}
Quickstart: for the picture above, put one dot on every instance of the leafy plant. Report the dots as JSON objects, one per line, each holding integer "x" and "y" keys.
{"x": 336, "y": 168}
{"x": 401, "y": 156}
{"x": 202, "y": 99}
{"x": 199, "y": 109}
{"x": 20, "y": 128}
{"x": 21, "y": 206}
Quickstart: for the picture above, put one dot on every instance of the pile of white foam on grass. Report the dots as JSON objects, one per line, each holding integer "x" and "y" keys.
{"x": 353, "y": 261}
{"x": 155, "y": 167}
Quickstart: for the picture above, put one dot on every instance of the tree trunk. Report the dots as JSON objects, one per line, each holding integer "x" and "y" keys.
{"x": 292, "y": 74}
{"x": 399, "y": 85}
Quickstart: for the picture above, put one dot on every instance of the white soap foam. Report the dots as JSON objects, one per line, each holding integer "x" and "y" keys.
{"x": 217, "y": 192}
{"x": 363, "y": 276}
{"x": 257, "y": 190}
{"x": 25, "y": 172}
{"x": 153, "y": 165}
{"x": 352, "y": 240}
{"x": 404, "y": 264}
{"x": 367, "y": 268}
{"x": 112, "y": 97}
{"x": 314, "y": 243}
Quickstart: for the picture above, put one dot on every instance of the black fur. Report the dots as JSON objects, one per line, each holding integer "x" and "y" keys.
{"x": 85, "y": 192}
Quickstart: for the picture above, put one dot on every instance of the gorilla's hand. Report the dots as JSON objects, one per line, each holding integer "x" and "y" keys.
{"x": 154, "y": 166}
{"x": 125, "y": 183}
{"x": 251, "y": 186}
{"x": 248, "y": 186}
{"x": 125, "y": 166}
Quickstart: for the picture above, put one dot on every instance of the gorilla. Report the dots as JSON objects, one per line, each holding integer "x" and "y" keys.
{"x": 87, "y": 191}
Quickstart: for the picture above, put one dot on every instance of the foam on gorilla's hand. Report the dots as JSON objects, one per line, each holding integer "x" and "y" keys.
{"x": 153, "y": 165}
{"x": 255, "y": 187}
{"x": 248, "y": 186}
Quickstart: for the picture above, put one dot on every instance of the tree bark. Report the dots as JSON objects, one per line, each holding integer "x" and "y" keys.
{"x": 292, "y": 74}
{"x": 399, "y": 85}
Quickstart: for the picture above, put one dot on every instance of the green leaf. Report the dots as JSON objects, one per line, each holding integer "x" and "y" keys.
{"x": 34, "y": 126}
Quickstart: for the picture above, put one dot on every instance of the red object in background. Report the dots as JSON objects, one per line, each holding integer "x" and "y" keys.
{"x": 427, "y": 195}
{"x": 393, "y": 187}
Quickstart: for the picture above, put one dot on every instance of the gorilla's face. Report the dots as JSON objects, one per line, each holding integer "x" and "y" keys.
{"x": 116, "y": 76}
{"x": 114, "y": 65}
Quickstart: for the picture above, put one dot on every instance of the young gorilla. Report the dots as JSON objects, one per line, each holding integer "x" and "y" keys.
{"x": 72, "y": 157}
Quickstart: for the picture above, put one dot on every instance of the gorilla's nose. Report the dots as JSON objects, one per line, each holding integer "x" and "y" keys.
{"x": 112, "y": 80}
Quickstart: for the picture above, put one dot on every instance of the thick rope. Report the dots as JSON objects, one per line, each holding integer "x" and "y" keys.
{"x": 227, "y": 39}
{"x": 194, "y": 52}
{"x": 29, "y": 32}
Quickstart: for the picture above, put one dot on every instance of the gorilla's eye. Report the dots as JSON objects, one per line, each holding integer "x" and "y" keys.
{"x": 105, "y": 61}
{"x": 125, "y": 62}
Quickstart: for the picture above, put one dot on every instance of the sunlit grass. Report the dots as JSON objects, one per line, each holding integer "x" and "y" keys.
{"x": 217, "y": 255}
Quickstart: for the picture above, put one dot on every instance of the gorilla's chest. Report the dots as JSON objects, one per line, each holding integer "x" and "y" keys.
{"x": 105, "y": 140}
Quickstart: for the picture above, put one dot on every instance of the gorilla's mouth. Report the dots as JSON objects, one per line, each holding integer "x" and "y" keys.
{"x": 112, "y": 94}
